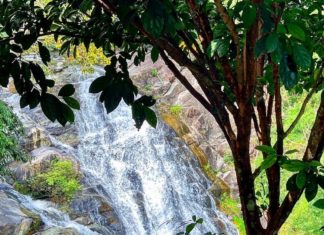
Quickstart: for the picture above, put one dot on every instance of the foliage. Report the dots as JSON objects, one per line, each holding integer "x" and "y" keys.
{"x": 176, "y": 109}
{"x": 240, "y": 53}
{"x": 59, "y": 183}
{"x": 190, "y": 227}
{"x": 10, "y": 130}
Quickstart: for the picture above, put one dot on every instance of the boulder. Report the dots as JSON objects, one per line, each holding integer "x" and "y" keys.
{"x": 15, "y": 219}
{"x": 58, "y": 231}
{"x": 41, "y": 161}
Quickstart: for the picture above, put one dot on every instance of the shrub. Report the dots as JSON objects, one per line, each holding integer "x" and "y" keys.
{"x": 176, "y": 109}
{"x": 59, "y": 183}
{"x": 10, "y": 130}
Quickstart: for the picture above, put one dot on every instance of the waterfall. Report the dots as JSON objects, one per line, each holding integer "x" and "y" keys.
{"x": 152, "y": 179}
{"x": 149, "y": 176}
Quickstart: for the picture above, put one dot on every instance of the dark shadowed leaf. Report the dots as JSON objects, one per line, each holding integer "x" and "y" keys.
{"x": 154, "y": 54}
{"x": 99, "y": 84}
{"x": 49, "y": 106}
{"x": 44, "y": 53}
{"x": 67, "y": 90}
{"x": 319, "y": 203}
{"x": 150, "y": 117}
{"x": 73, "y": 103}
{"x": 301, "y": 179}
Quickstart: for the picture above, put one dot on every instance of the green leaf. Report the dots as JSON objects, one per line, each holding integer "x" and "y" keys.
{"x": 319, "y": 203}
{"x": 311, "y": 190}
{"x": 249, "y": 15}
{"x": 266, "y": 149}
{"x": 292, "y": 151}
{"x": 200, "y": 221}
{"x": 73, "y": 103}
{"x": 288, "y": 72}
{"x": 99, "y": 84}
{"x": 67, "y": 90}
{"x": 296, "y": 32}
{"x": 260, "y": 46}
{"x": 294, "y": 165}
{"x": 301, "y": 179}
{"x": 154, "y": 54}
{"x": 67, "y": 113}
{"x": 150, "y": 117}
{"x": 301, "y": 56}
{"x": 44, "y": 53}
{"x": 268, "y": 162}
{"x": 212, "y": 48}
{"x": 320, "y": 181}
{"x": 190, "y": 227}
{"x": 272, "y": 42}
{"x": 291, "y": 183}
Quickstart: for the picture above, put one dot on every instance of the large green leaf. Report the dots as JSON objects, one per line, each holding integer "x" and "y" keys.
{"x": 296, "y": 31}
{"x": 301, "y": 56}
{"x": 272, "y": 42}
{"x": 268, "y": 162}
{"x": 249, "y": 15}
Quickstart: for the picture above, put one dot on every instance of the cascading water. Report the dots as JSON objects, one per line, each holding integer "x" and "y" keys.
{"x": 151, "y": 178}
{"x": 48, "y": 212}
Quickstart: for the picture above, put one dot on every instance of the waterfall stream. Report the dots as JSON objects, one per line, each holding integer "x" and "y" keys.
{"x": 149, "y": 176}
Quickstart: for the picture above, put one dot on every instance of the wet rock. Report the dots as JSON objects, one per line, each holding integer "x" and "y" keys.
{"x": 41, "y": 161}
{"x": 58, "y": 231}
{"x": 90, "y": 209}
{"x": 36, "y": 138}
{"x": 230, "y": 179}
{"x": 15, "y": 219}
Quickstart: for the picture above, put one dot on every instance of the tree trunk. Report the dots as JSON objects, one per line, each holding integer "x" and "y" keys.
{"x": 241, "y": 156}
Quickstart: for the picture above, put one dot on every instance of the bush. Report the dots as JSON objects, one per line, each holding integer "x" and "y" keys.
{"x": 176, "y": 109}
{"x": 10, "y": 130}
{"x": 59, "y": 183}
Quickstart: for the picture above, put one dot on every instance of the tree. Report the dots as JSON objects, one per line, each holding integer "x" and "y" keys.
{"x": 240, "y": 52}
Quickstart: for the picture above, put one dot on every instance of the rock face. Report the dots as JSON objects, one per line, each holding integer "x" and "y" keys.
{"x": 14, "y": 219}
{"x": 192, "y": 121}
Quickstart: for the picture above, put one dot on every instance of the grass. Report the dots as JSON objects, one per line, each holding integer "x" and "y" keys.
{"x": 231, "y": 207}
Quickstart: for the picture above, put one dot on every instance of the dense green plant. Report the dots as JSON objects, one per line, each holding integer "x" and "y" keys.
{"x": 10, "y": 131}
{"x": 59, "y": 183}
{"x": 240, "y": 53}
{"x": 176, "y": 109}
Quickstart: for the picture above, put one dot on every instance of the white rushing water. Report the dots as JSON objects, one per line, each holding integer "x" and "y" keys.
{"x": 152, "y": 179}
{"x": 50, "y": 215}
{"x": 149, "y": 177}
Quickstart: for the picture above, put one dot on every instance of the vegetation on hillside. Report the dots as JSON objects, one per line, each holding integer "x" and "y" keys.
{"x": 59, "y": 183}
{"x": 10, "y": 131}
